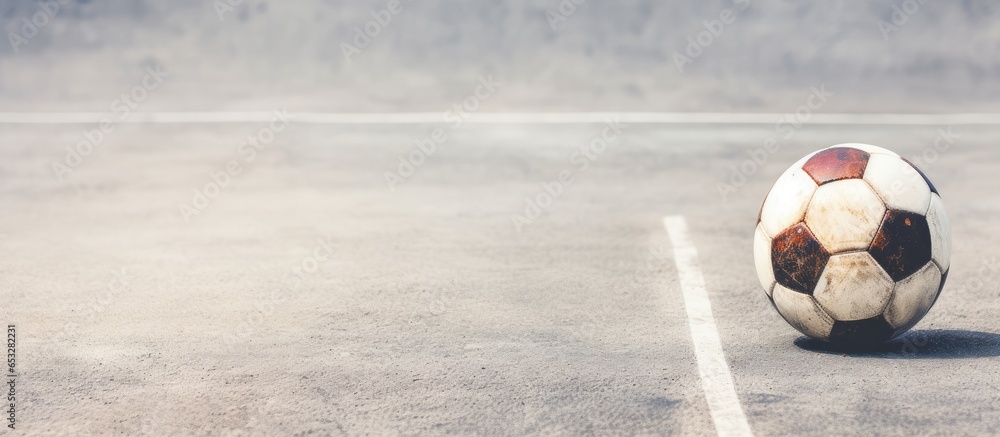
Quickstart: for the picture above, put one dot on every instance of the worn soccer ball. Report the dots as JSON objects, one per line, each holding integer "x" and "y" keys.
{"x": 853, "y": 245}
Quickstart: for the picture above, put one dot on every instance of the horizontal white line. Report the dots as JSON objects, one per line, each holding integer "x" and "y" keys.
{"x": 716, "y": 380}
{"x": 499, "y": 118}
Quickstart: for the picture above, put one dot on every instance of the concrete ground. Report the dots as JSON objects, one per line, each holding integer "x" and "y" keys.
{"x": 307, "y": 298}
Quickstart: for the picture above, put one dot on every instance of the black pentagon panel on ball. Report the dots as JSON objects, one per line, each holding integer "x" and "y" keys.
{"x": 836, "y": 164}
{"x": 902, "y": 245}
{"x": 798, "y": 259}
{"x": 926, "y": 179}
{"x": 861, "y": 334}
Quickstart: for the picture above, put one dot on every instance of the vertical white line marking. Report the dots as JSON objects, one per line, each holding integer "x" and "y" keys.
{"x": 724, "y": 405}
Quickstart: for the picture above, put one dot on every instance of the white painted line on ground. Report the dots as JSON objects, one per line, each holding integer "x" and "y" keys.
{"x": 501, "y": 118}
{"x": 724, "y": 405}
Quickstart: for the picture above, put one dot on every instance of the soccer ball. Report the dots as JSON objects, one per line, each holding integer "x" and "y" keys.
{"x": 853, "y": 245}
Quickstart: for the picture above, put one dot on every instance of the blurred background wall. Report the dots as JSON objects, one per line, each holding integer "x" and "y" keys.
{"x": 588, "y": 55}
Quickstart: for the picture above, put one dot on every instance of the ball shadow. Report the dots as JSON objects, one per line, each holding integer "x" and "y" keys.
{"x": 920, "y": 344}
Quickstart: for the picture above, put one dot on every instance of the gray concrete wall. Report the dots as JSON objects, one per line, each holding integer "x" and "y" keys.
{"x": 603, "y": 56}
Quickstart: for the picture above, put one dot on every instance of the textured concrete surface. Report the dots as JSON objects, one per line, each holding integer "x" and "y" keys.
{"x": 623, "y": 56}
{"x": 309, "y": 299}
{"x": 306, "y": 297}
